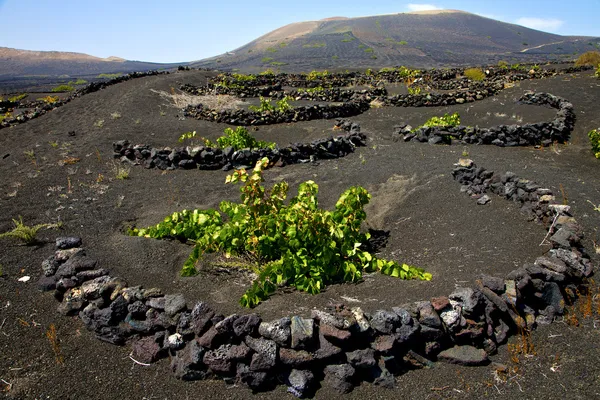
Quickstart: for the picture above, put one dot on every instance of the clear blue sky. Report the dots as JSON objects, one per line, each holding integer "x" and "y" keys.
{"x": 186, "y": 30}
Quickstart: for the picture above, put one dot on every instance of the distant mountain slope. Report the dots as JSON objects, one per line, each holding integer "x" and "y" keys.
{"x": 421, "y": 39}
{"x": 14, "y": 62}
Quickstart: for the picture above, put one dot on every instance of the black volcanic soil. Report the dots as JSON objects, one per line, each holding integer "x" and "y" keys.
{"x": 431, "y": 224}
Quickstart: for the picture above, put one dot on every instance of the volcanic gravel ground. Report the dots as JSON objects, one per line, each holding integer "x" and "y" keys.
{"x": 431, "y": 224}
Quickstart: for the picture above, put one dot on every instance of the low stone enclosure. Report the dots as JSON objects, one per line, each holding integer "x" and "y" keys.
{"x": 191, "y": 157}
{"x": 40, "y": 108}
{"x": 354, "y": 102}
{"x": 200, "y": 157}
{"x": 339, "y": 346}
{"x": 542, "y": 133}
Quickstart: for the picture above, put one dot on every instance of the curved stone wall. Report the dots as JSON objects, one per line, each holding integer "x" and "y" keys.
{"x": 201, "y": 157}
{"x": 541, "y": 133}
{"x": 340, "y": 346}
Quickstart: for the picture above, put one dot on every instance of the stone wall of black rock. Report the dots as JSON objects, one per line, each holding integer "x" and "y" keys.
{"x": 340, "y": 346}
{"x": 238, "y": 91}
{"x": 541, "y": 133}
{"x": 200, "y": 157}
{"x": 39, "y": 108}
{"x": 342, "y": 79}
{"x": 301, "y": 113}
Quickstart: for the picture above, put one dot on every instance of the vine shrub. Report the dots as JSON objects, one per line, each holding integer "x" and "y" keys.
{"x": 282, "y": 105}
{"x": 594, "y": 136}
{"x": 445, "y": 121}
{"x": 474, "y": 74}
{"x": 239, "y": 139}
{"x": 297, "y": 244}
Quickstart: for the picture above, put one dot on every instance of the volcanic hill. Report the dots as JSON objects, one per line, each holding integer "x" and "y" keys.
{"x": 418, "y": 39}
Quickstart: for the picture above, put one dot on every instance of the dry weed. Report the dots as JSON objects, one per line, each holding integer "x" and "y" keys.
{"x": 52, "y": 337}
{"x": 217, "y": 102}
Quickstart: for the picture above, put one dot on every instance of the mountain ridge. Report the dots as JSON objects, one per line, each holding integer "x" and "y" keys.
{"x": 419, "y": 39}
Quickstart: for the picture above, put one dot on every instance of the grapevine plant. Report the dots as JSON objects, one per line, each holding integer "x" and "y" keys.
{"x": 296, "y": 244}
{"x": 239, "y": 139}
{"x": 594, "y": 136}
{"x": 445, "y": 121}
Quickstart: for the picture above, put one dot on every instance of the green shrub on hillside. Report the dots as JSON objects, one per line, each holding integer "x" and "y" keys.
{"x": 63, "y": 88}
{"x": 244, "y": 77}
{"x": 589, "y": 58}
{"x": 445, "y": 121}
{"x": 314, "y": 45}
{"x": 314, "y": 75}
{"x": 17, "y": 97}
{"x": 597, "y": 73}
{"x": 78, "y": 82}
{"x": 239, "y": 139}
{"x": 594, "y": 136}
{"x": 297, "y": 244}
{"x": 110, "y": 76}
{"x": 474, "y": 74}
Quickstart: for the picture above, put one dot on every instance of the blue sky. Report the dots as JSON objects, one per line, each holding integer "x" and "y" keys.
{"x": 186, "y": 30}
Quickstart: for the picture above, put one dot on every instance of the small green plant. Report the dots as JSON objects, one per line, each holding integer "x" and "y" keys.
{"x": 314, "y": 45}
{"x": 109, "y": 76}
{"x": 99, "y": 123}
{"x": 27, "y": 234}
{"x": 314, "y": 75}
{"x": 78, "y": 82}
{"x": 49, "y": 99}
{"x": 265, "y": 105}
{"x": 403, "y": 43}
{"x": 597, "y": 73}
{"x": 283, "y": 105}
{"x": 187, "y": 136}
{"x": 278, "y": 63}
{"x": 271, "y": 49}
{"x": 445, "y": 121}
{"x": 316, "y": 89}
{"x": 474, "y": 74}
{"x": 369, "y": 50}
{"x": 401, "y": 72}
{"x": 239, "y": 139}
{"x": 244, "y": 78}
{"x": 30, "y": 154}
{"x": 115, "y": 115}
{"x": 594, "y": 136}
{"x": 267, "y": 72}
{"x": 121, "y": 171}
{"x": 414, "y": 90}
{"x": 53, "y": 144}
{"x": 4, "y": 116}
{"x": 588, "y": 58}
{"x": 266, "y": 60}
{"x": 297, "y": 244}
{"x": 18, "y": 97}
{"x": 63, "y": 88}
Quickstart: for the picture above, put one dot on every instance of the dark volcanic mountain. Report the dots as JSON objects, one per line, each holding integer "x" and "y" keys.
{"x": 418, "y": 39}
{"x": 14, "y": 62}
